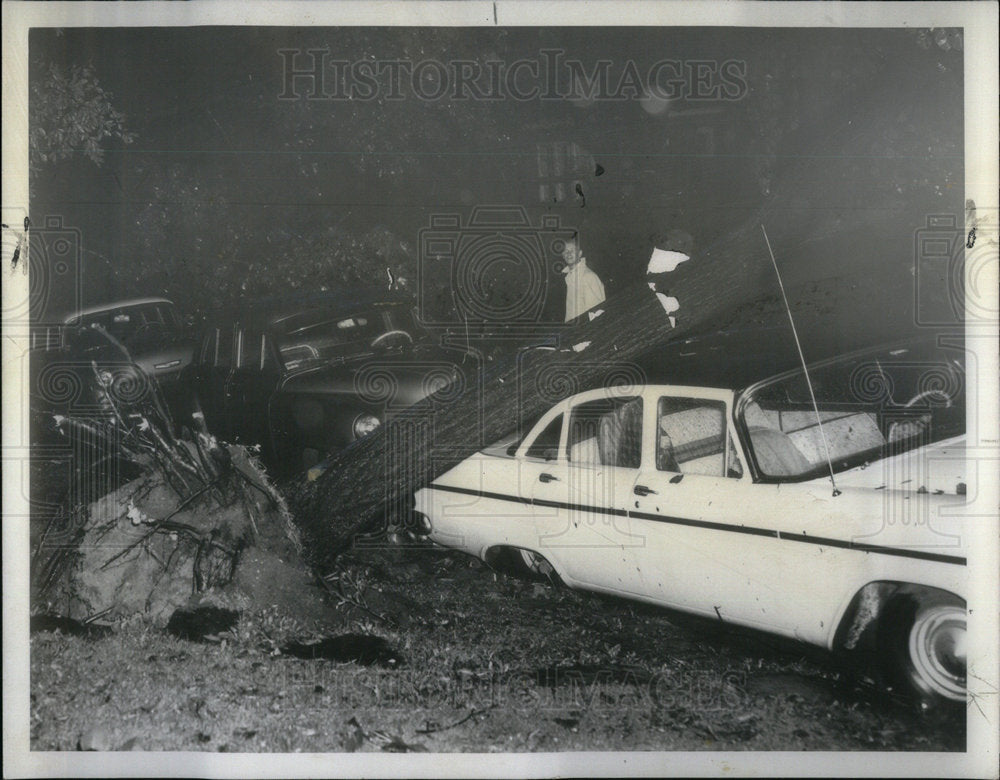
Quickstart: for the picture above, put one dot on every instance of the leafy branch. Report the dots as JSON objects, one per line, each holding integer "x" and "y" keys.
{"x": 71, "y": 113}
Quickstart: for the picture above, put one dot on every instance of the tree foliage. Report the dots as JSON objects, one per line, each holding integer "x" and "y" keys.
{"x": 191, "y": 241}
{"x": 70, "y": 113}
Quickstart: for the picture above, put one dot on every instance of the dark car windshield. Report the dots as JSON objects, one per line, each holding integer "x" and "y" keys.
{"x": 318, "y": 334}
{"x": 870, "y": 406}
{"x": 139, "y": 327}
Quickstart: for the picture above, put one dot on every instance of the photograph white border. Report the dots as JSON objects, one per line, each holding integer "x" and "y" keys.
{"x": 979, "y": 20}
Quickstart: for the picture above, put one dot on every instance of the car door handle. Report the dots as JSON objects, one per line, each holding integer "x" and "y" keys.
{"x": 642, "y": 490}
{"x": 546, "y": 477}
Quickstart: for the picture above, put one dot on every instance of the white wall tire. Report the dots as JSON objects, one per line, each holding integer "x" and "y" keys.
{"x": 922, "y": 644}
{"x": 937, "y": 650}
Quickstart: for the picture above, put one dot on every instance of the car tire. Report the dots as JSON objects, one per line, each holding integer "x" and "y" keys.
{"x": 921, "y": 641}
{"x": 528, "y": 565}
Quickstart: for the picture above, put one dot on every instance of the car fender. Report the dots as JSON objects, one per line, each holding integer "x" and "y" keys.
{"x": 863, "y": 606}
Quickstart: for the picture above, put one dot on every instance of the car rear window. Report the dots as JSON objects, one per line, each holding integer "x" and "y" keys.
{"x": 316, "y": 334}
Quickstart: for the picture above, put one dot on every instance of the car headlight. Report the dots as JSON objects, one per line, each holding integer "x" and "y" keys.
{"x": 365, "y": 424}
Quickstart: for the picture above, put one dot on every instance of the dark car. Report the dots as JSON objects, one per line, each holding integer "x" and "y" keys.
{"x": 150, "y": 329}
{"x": 306, "y": 376}
{"x": 129, "y": 341}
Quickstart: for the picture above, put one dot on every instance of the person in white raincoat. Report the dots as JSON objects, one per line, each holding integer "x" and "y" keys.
{"x": 584, "y": 288}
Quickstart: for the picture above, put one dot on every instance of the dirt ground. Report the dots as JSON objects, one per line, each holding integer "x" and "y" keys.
{"x": 487, "y": 662}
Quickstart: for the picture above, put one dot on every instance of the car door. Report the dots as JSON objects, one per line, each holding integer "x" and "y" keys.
{"x": 581, "y": 498}
{"x": 774, "y": 555}
{"x": 250, "y": 386}
{"x": 485, "y": 502}
{"x": 215, "y": 359}
{"x": 689, "y": 503}
{"x": 541, "y": 477}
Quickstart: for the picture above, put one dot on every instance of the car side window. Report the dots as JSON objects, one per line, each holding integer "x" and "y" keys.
{"x": 121, "y": 323}
{"x": 151, "y": 315}
{"x": 249, "y": 344}
{"x": 169, "y": 315}
{"x": 691, "y": 438}
{"x": 546, "y": 444}
{"x": 268, "y": 361}
{"x": 224, "y": 348}
{"x": 207, "y": 354}
{"x": 606, "y": 432}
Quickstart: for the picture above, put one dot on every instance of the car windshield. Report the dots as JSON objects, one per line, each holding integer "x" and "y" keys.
{"x": 139, "y": 327}
{"x": 869, "y": 407}
{"x": 319, "y": 334}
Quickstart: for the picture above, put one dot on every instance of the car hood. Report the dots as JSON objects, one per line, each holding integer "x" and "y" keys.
{"x": 934, "y": 468}
{"x": 391, "y": 378}
{"x": 166, "y": 359}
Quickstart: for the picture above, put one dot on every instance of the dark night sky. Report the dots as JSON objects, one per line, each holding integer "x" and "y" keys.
{"x": 204, "y": 104}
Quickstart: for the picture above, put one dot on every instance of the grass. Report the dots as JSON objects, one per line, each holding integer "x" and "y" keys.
{"x": 627, "y": 677}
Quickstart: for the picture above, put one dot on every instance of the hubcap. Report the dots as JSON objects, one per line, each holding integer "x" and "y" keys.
{"x": 937, "y": 649}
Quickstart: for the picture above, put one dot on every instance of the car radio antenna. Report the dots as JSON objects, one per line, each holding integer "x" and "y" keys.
{"x": 802, "y": 358}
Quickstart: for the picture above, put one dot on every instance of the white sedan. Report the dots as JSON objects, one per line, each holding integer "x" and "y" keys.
{"x": 831, "y": 521}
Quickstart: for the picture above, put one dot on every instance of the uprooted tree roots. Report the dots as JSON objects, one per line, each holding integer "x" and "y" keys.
{"x": 187, "y": 512}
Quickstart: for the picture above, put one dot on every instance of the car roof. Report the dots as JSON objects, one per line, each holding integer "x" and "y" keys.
{"x": 266, "y": 311}
{"x": 103, "y": 307}
{"x": 736, "y": 359}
